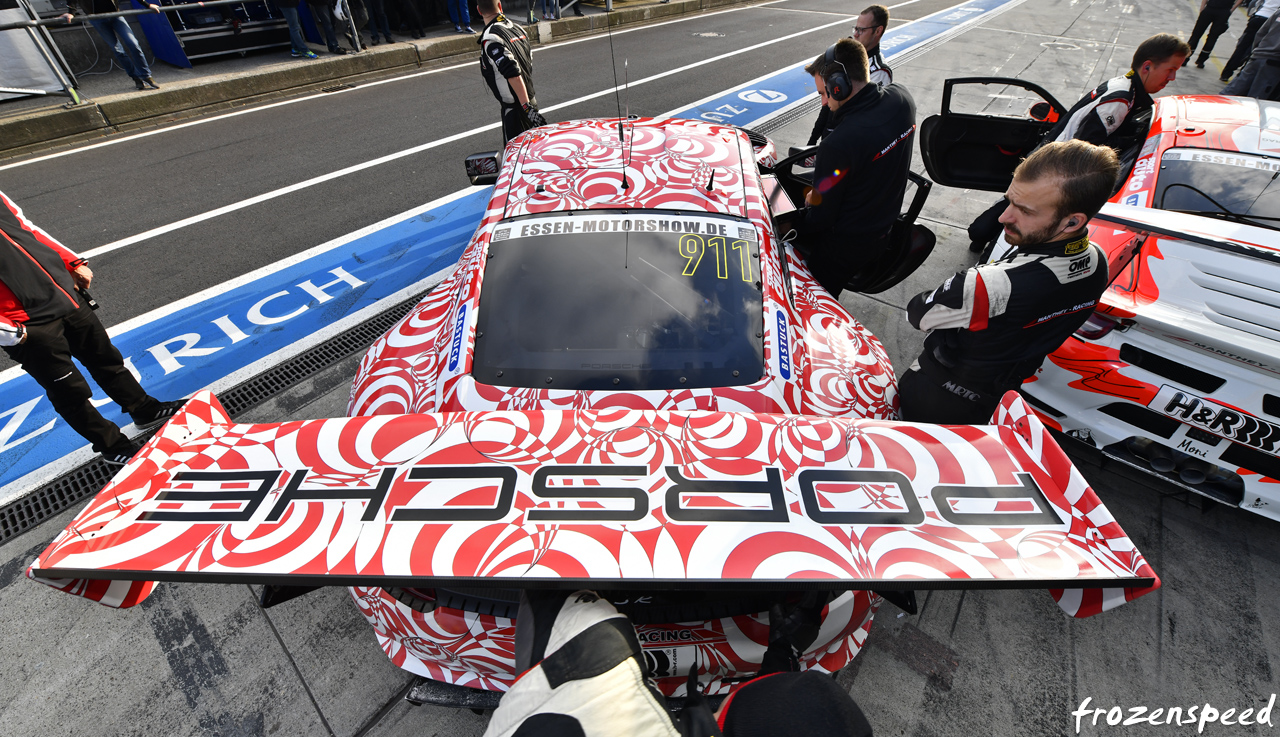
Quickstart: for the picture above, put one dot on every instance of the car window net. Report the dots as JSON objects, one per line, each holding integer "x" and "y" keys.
{"x": 621, "y": 301}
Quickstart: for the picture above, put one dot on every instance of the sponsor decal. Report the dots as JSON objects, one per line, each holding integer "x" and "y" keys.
{"x": 259, "y": 497}
{"x": 1226, "y": 422}
{"x": 1079, "y": 245}
{"x": 1220, "y": 352}
{"x": 580, "y": 224}
{"x": 1141, "y": 170}
{"x": 455, "y": 350}
{"x": 960, "y": 391}
{"x": 768, "y": 97}
{"x": 1226, "y": 158}
{"x": 1136, "y": 200}
{"x": 784, "y": 347}
{"x": 501, "y": 234}
{"x": 1149, "y": 147}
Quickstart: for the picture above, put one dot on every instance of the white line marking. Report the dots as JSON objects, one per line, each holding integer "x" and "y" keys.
{"x": 264, "y": 197}
{"x": 375, "y": 83}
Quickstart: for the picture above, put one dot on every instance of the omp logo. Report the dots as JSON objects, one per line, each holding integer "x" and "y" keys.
{"x": 455, "y": 350}
{"x": 784, "y": 347}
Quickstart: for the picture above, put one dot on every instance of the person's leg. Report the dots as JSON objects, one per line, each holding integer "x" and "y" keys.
{"x": 413, "y": 18}
{"x": 513, "y": 123}
{"x": 46, "y": 356}
{"x": 106, "y": 28}
{"x": 465, "y": 13}
{"x": 1243, "y": 47}
{"x": 1266, "y": 79}
{"x": 941, "y": 400}
{"x": 132, "y": 48}
{"x": 297, "y": 41}
{"x": 1202, "y": 22}
{"x": 1244, "y": 80}
{"x": 1216, "y": 29}
{"x": 89, "y": 343}
{"x": 325, "y": 15}
{"x": 378, "y": 20}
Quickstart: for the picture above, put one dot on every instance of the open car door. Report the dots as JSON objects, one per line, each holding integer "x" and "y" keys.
{"x": 987, "y": 125}
{"x": 606, "y": 498}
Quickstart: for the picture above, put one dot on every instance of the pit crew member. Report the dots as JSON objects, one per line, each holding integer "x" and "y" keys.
{"x": 507, "y": 66}
{"x": 860, "y": 175}
{"x": 871, "y": 25}
{"x": 1100, "y": 116}
{"x": 993, "y": 324}
{"x": 46, "y": 320}
{"x": 582, "y": 673}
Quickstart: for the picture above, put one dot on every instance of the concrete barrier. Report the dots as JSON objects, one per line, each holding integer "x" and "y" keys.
{"x": 42, "y": 128}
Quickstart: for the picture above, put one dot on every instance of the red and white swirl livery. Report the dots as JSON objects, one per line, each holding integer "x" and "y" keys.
{"x": 628, "y": 384}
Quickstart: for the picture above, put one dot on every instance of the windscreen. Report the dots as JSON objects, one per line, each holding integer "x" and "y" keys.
{"x": 621, "y": 301}
{"x": 1223, "y": 184}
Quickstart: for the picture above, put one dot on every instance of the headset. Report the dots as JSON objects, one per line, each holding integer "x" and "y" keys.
{"x": 838, "y": 86}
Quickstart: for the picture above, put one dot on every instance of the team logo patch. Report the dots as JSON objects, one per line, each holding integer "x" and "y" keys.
{"x": 1077, "y": 246}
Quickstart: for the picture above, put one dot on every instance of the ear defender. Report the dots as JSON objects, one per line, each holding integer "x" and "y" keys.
{"x": 837, "y": 82}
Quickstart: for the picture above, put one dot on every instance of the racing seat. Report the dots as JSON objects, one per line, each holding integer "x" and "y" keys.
{"x": 909, "y": 242}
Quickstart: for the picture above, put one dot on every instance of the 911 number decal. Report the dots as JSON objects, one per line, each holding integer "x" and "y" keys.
{"x": 691, "y": 501}
{"x": 694, "y": 247}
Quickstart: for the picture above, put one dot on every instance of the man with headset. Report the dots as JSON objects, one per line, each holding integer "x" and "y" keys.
{"x": 871, "y": 25}
{"x": 860, "y": 175}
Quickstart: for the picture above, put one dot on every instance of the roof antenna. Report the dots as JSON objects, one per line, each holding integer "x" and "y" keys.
{"x": 613, "y": 62}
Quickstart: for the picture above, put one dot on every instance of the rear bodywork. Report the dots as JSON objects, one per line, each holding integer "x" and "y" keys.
{"x": 621, "y": 500}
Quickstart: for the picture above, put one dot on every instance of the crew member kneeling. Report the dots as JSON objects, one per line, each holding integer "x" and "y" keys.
{"x": 993, "y": 325}
{"x": 860, "y": 175}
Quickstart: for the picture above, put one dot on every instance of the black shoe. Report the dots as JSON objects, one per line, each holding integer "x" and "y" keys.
{"x": 155, "y": 413}
{"x": 1224, "y": 78}
{"x": 151, "y": 83}
{"x": 122, "y": 455}
{"x": 338, "y": 50}
{"x": 137, "y": 82}
{"x": 1199, "y": 64}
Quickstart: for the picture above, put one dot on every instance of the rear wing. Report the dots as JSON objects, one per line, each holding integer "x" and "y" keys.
{"x": 608, "y": 499}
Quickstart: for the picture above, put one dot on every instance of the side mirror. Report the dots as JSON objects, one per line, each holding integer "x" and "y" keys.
{"x": 482, "y": 168}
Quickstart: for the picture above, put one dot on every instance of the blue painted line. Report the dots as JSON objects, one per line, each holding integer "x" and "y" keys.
{"x": 213, "y": 340}
{"x": 749, "y": 103}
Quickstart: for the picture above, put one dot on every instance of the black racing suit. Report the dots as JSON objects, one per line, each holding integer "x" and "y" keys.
{"x": 45, "y": 323}
{"x": 993, "y": 325}
{"x": 505, "y": 54}
{"x": 1104, "y": 117}
{"x": 859, "y": 179}
{"x": 877, "y": 71}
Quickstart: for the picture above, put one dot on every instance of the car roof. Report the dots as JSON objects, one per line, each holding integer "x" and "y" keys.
{"x": 669, "y": 164}
{"x": 1220, "y": 122}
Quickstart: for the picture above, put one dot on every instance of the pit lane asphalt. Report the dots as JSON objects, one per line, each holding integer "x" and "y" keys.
{"x": 102, "y": 195}
{"x": 204, "y": 660}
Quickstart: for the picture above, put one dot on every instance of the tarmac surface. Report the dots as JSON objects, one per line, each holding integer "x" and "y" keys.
{"x": 204, "y": 659}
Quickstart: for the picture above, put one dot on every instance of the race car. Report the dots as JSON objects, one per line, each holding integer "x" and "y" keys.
{"x": 629, "y": 384}
{"x": 1176, "y": 372}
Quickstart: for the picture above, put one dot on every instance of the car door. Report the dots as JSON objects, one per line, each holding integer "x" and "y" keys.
{"x": 987, "y": 125}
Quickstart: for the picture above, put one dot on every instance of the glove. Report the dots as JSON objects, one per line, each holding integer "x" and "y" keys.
{"x": 535, "y": 118}
{"x": 12, "y": 334}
